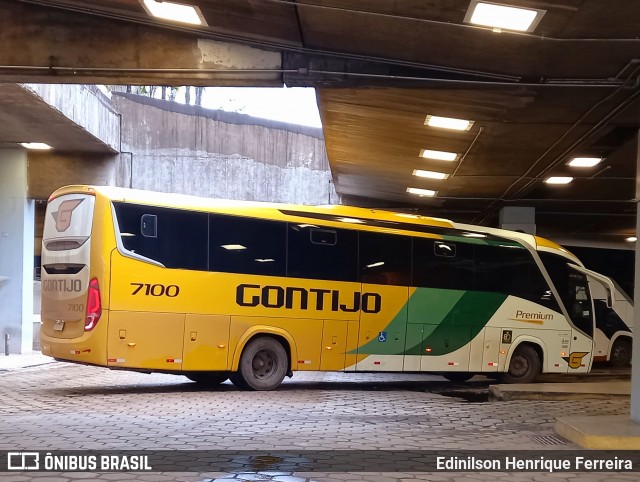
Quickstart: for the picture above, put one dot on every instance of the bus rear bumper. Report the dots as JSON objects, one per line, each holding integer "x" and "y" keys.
{"x": 86, "y": 348}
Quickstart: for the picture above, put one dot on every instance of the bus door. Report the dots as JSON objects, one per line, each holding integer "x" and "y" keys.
{"x": 613, "y": 311}
{"x": 580, "y": 309}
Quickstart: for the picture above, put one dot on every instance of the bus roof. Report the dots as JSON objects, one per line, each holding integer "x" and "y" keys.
{"x": 330, "y": 213}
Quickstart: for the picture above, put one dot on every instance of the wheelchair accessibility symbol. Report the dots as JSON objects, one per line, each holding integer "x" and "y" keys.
{"x": 382, "y": 336}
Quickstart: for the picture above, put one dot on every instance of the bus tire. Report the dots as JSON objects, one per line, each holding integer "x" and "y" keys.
{"x": 524, "y": 366}
{"x": 263, "y": 364}
{"x": 208, "y": 379}
{"x": 458, "y": 377}
{"x": 621, "y": 353}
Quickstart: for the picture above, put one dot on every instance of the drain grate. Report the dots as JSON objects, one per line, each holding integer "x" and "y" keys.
{"x": 548, "y": 440}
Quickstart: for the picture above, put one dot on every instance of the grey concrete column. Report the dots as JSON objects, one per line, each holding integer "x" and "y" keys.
{"x": 16, "y": 252}
{"x": 517, "y": 218}
{"x": 635, "y": 359}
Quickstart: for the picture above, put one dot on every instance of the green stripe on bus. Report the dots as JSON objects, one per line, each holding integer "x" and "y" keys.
{"x": 460, "y": 325}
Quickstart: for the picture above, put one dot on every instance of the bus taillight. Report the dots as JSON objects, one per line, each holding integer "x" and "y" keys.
{"x": 94, "y": 305}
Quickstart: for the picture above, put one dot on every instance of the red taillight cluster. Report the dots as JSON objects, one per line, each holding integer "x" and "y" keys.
{"x": 94, "y": 305}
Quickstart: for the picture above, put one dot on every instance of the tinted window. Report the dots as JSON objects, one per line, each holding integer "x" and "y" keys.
{"x": 510, "y": 269}
{"x": 309, "y": 257}
{"x": 573, "y": 289}
{"x": 442, "y": 264}
{"x": 385, "y": 259}
{"x": 245, "y": 245}
{"x": 173, "y": 237}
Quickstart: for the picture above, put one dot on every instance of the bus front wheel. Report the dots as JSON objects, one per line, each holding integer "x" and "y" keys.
{"x": 621, "y": 353}
{"x": 524, "y": 366}
{"x": 263, "y": 365}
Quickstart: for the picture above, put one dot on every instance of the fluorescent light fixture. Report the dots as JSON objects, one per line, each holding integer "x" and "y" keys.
{"x": 500, "y": 16}
{"x": 584, "y": 161}
{"x": 307, "y": 226}
{"x": 177, "y": 12}
{"x": 264, "y": 260}
{"x": 233, "y": 247}
{"x": 438, "y": 155}
{"x": 421, "y": 192}
{"x": 448, "y": 123}
{"x": 558, "y": 180}
{"x": 430, "y": 174}
{"x": 631, "y": 239}
{"x": 474, "y": 235}
{"x": 375, "y": 265}
{"x": 127, "y": 235}
{"x": 351, "y": 220}
{"x": 39, "y": 146}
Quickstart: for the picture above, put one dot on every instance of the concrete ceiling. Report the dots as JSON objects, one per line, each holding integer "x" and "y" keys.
{"x": 568, "y": 88}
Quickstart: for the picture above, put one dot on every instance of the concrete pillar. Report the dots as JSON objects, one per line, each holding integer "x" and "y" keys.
{"x": 16, "y": 252}
{"x": 635, "y": 359}
{"x": 518, "y": 219}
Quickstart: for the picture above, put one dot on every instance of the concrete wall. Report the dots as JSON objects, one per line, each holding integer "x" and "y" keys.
{"x": 172, "y": 147}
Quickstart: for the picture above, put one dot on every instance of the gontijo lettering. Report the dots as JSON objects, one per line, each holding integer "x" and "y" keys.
{"x": 305, "y": 299}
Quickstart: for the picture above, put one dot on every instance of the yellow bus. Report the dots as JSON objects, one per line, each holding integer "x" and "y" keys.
{"x": 253, "y": 292}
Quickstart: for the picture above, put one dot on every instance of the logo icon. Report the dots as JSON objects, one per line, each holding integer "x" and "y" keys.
{"x": 575, "y": 359}
{"x": 23, "y": 461}
{"x": 63, "y": 215}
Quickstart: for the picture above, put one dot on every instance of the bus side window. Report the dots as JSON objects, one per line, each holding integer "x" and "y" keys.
{"x": 385, "y": 259}
{"x": 245, "y": 245}
{"x": 330, "y": 254}
{"x": 437, "y": 264}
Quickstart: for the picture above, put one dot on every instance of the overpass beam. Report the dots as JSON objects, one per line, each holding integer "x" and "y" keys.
{"x": 58, "y": 46}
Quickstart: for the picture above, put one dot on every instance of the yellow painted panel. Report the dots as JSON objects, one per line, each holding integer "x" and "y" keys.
{"x": 334, "y": 343}
{"x": 145, "y": 340}
{"x": 206, "y": 342}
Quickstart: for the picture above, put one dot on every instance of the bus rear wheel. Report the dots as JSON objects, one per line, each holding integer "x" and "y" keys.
{"x": 524, "y": 366}
{"x": 621, "y": 353}
{"x": 263, "y": 365}
{"x": 208, "y": 379}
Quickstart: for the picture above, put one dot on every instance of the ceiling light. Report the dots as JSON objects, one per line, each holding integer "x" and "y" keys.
{"x": 233, "y": 247}
{"x": 438, "y": 155}
{"x": 375, "y": 265}
{"x": 430, "y": 174}
{"x": 584, "y": 161}
{"x": 448, "y": 123}
{"x": 631, "y": 239}
{"x": 503, "y": 16}
{"x": 41, "y": 146}
{"x": 177, "y": 12}
{"x": 264, "y": 260}
{"x": 421, "y": 192}
{"x": 351, "y": 220}
{"x": 558, "y": 180}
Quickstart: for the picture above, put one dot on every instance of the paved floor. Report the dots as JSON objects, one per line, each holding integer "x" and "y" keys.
{"x": 62, "y": 406}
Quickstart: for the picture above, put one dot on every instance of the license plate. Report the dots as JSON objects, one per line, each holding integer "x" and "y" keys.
{"x": 59, "y": 325}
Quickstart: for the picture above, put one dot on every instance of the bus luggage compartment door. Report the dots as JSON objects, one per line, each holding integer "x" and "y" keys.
{"x": 145, "y": 340}
{"x": 206, "y": 342}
